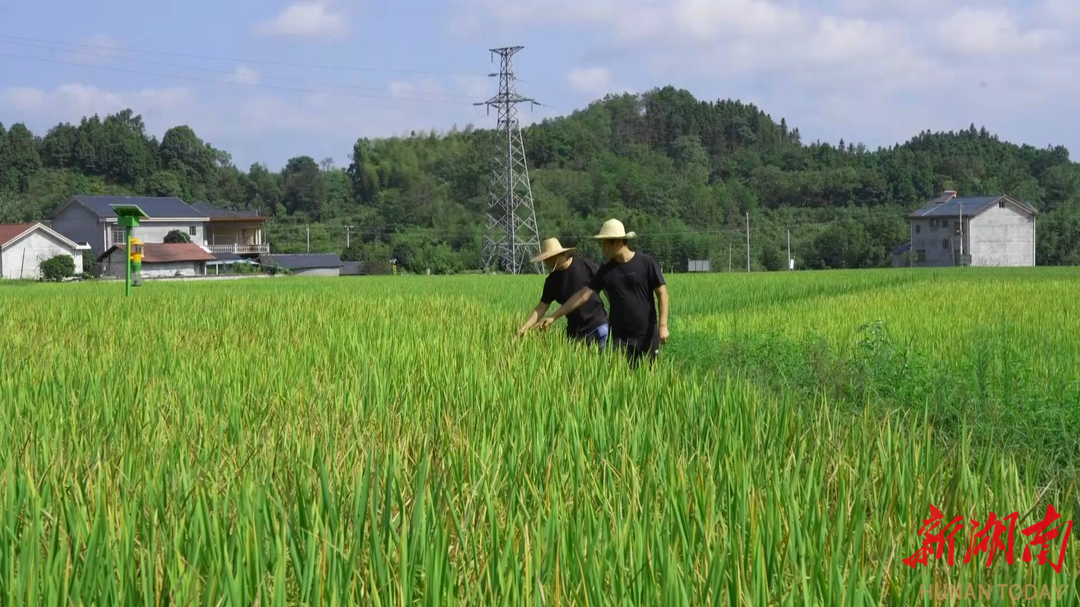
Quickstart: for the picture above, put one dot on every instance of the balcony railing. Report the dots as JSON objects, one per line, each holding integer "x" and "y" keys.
{"x": 239, "y": 249}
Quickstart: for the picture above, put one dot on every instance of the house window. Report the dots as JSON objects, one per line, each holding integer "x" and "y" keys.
{"x": 1001, "y": 204}
{"x": 918, "y": 229}
{"x": 193, "y": 230}
{"x": 920, "y": 255}
{"x": 117, "y": 236}
{"x": 933, "y": 223}
{"x": 945, "y": 243}
{"x": 944, "y": 223}
{"x": 957, "y": 230}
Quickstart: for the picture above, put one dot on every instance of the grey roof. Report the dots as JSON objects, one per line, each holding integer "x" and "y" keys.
{"x": 213, "y": 212}
{"x": 153, "y": 207}
{"x": 352, "y": 268}
{"x": 904, "y": 248}
{"x": 952, "y": 207}
{"x": 302, "y": 261}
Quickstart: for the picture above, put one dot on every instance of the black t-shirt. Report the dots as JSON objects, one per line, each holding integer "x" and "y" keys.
{"x": 561, "y": 285}
{"x": 629, "y": 287}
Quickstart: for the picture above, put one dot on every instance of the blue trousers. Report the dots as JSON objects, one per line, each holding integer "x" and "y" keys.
{"x": 598, "y": 336}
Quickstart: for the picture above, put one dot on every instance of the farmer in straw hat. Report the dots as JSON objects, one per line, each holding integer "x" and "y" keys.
{"x": 568, "y": 275}
{"x": 630, "y": 280}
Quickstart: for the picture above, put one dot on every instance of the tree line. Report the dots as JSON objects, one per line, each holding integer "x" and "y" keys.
{"x": 683, "y": 173}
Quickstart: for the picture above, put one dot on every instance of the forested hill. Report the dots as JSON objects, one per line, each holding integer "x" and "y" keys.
{"x": 681, "y": 172}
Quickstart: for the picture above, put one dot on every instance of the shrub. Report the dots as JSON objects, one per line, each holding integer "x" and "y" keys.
{"x": 176, "y": 236}
{"x": 58, "y": 268}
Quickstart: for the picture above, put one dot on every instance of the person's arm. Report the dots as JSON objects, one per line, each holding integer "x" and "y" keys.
{"x": 659, "y": 287}
{"x": 575, "y": 302}
{"x": 537, "y": 313}
{"x": 662, "y": 304}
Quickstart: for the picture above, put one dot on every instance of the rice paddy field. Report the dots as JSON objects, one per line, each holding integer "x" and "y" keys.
{"x": 384, "y": 441}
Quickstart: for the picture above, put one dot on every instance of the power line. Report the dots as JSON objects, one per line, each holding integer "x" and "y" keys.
{"x": 216, "y": 71}
{"x": 277, "y": 63}
{"x": 259, "y": 61}
{"x": 248, "y": 84}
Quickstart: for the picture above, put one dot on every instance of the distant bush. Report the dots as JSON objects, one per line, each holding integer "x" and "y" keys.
{"x": 58, "y": 268}
{"x": 177, "y": 236}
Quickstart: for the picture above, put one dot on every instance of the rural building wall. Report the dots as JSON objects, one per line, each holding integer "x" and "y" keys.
{"x": 23, "y": 258}
{"x": 155, "y": 231}
{"x": 231, "y": 234}
{"x": 931, "y": 236}
{"x": 81, "y": 225}
{"x": 317, "y": 272}
{"x": 115, "y": 266}
{"x": 1003, "y": 237}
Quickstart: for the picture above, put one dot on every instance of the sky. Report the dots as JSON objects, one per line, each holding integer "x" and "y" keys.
{"x": 269, "y": 80}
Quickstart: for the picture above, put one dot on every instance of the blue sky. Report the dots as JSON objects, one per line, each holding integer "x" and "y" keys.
{"x": 870, "y": 71}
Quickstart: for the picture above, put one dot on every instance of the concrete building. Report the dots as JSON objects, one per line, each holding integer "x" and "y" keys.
{"x": 24, "y": 246}
{"x": 90, "y": 219}
{"x": 236, "y": 232}
{"x": 310, "y": 264}
{"x": 982, "y": 231}
{"x": 160, "y": 260}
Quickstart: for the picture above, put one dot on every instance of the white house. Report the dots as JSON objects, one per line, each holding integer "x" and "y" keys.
{"x": 159, "y": 260}
{"x": 90, "y": 219}
{"x": 982, "y": 231}
{"x": 24, "y": 246}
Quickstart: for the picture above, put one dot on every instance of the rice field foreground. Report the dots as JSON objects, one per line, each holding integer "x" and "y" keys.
{"x": 384, "y": 441}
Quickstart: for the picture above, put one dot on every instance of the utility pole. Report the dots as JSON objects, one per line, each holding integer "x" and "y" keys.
{"x": 512, "y": 237}
{"x": 307, "y": 230}
{"x": 748, "y": 241}
{"x": 348, "y": 229}
{"x": 789, "y": 249}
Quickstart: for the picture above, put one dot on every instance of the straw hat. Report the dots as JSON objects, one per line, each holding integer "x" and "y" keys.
{"x": 613, "y": 230}
{"x": 550, "y": 248}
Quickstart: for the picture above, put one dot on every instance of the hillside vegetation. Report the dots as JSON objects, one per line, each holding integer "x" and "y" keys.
{"x": 682, "y": 172}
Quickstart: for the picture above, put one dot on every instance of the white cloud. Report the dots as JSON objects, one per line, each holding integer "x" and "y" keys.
{"x": 991, "y": 31}
{"x": 70, "y": 102}
{"x": 593, "y": 80}
{"x": 425, "y": 89}
{"x": 306, "y": 19}
{"x": 97, "y": 49}
{"x": 245, "y": 75}
{"x": 1062, "y": 11}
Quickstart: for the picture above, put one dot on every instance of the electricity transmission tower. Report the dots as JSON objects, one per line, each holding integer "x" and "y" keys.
{"x": 511, "y": 238}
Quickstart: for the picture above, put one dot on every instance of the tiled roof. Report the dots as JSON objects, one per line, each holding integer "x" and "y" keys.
{"x": 302, "y": 261}
{"x": 214, "y": 212}
{"x": 154, "y": 208}
{"x": 952, "y": 207}
{"x": 157, "y": 252}
{"x": 11, "y": 231}
{"x": 904, "y": 248}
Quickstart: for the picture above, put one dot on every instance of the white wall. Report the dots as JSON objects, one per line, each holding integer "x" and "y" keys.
{"x": 317, "y": 272}
{"x": 1002, "y": 237}
{"x": 155, "y": 231}
{"x": 23, "y": 258}
{"x": 167, "y": 270}
{"x": 116, "y": 265}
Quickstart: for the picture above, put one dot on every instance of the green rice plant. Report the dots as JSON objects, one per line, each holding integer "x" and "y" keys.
{"x": 384, "y": 441}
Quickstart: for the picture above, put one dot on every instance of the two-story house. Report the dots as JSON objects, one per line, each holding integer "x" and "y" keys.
{"x": 90, "y": 219}
{"x": 229, "y": 235}
{"x": 980, "y": 231}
